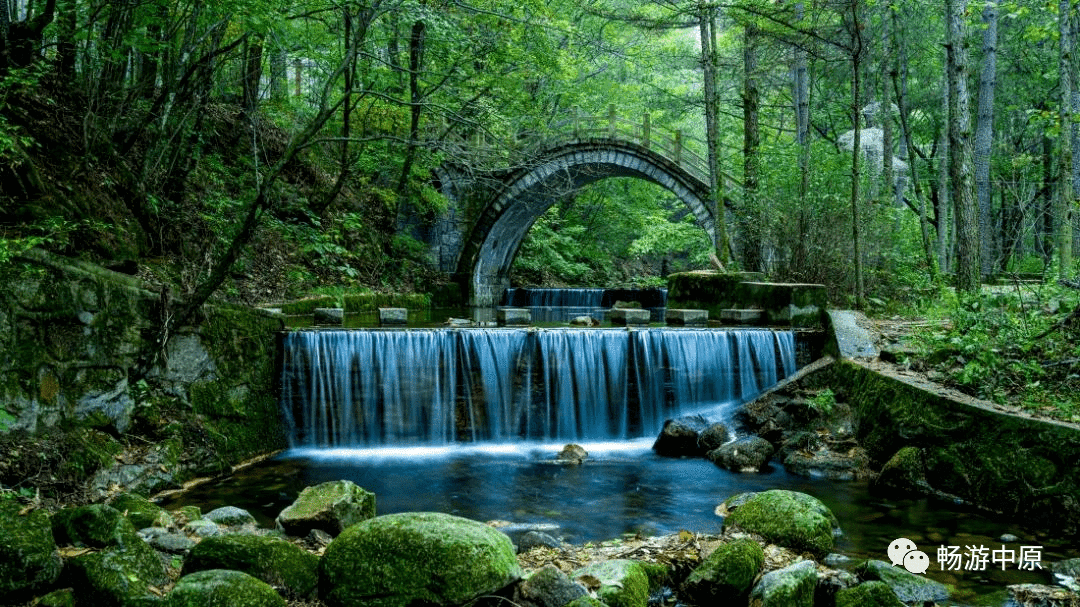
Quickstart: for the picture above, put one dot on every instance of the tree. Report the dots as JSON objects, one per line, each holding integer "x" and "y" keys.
{"x": 960, "y": 154}
{"x": 1065, "y": 129}
{"x": 984, "y": 135}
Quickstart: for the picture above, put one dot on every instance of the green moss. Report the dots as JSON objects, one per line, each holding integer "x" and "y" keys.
{"x": 868, "y": 594}
{"x": 908, "y": 587}
{"x": 371, "y": 302}
{"x": 729, "y": 571}
{"x": 332, "y": 507}
{"x": 417, "y": 557}
{"x": 116, "y": 576}
{"x": 308, "y": 305}
{"x": 792, "y": 586}
{"x": 586, "y": 601}
{"x": 64, "y": 597}
{"x": 623, "y": 582}
{"x": 87, "y": 451}
{"x": 140, "y": 511}
{"x": 272, "y": 560}
{"x": 1002, "y": 462}
{"x": 222, "y": 588}
{"x": 28, "y": 557}
{"x": 95, "y": 526}
{"x": 787, "y": 518}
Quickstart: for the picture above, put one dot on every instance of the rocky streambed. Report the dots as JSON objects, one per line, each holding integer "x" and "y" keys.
{"x": 329, "y": 548}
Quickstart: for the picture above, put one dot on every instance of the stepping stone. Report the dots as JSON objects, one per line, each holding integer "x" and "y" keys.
{"x": 686, "y": 318}
{"x": 629, "y": 317}
{"x": 740, "y": 317}
{"x": 390, "y": 317}
{"x": 329, "y": 316}
{"x": 513, "y": 317}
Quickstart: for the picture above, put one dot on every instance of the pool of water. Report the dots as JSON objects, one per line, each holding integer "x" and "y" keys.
{"x": 623, "y": 488}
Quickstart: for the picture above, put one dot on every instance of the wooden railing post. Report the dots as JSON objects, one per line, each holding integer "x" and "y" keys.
{"x": 613, "y": 119}
{"x": 678, "y": 147}
{"x": 646, "y": 127}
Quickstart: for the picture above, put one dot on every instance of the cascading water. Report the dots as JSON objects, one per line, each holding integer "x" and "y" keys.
{"x": 432, "y": 387}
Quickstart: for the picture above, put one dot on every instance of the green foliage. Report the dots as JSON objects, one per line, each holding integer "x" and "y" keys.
{"x": 991, "y": 345}
{"x": 823, "y": 401}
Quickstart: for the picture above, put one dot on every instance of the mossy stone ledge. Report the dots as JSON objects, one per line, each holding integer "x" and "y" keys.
{"x": 331, "y": 507}
{"x": 412, "y": 558}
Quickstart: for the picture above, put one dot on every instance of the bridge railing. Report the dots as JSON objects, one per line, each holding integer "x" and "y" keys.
{"x": 686, "y": 152}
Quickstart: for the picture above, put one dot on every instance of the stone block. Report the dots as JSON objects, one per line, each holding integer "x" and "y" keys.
{"x": 513, "y": 317}
{"x": 629, "y": 317}
{"x": 329, "y": 316}
{"x": 390, "y": 317}
{"x": 686, "y": 318}
{"x": 741, "y": 317}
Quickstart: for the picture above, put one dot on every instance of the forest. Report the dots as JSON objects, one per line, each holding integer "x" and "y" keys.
{"x": 902, "y": 153}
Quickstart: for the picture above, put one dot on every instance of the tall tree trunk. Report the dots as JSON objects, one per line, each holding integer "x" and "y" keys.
{"x": 416, "y": 63}
{"x": 888, "y": 180}
{"x": 856, "y": 177}
{"x": 707, "y": 27}
{"x": 984, "y": 134}
{"x": 968, "y": 269}
{"x": 1063, "y": 212}
{"x": 279, "y": 76}
{"x": 65, "y": 41}
{"x": 801, "y": 96}
{"x": 253, "y": 55}
{"x": 909, "y": 148}
{"x": 751, "y": 228}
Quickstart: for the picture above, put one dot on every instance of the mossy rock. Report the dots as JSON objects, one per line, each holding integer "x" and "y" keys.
{"x": 28, "y": 556}
{"x": 728, "y": 572}
{"x": 65, "y": 597}
{"x": 270, "y": 559}
{"x": 905, "y": 470}
{"x": 622, "y": 582}
{"x": 140, "y": 511}
{"x": 908, "y": 587}
{"x": 415, "y": 557}
{"x": 868, "y": 594}
{"x": 119, "y": 575}
{"x": 548, "y": 587}
{"x": 222, "y": 588}
{"x": 94, "y": 526}
{"x": 331, "y": 507}
{"x": 792, "y": 586}
{"x": 788, "y": 518}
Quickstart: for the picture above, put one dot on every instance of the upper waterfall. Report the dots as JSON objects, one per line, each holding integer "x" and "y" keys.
{"x": 429, "y": 387}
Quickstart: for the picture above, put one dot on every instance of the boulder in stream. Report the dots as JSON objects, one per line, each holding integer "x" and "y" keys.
{"x": 270, "y": 559}
{"x": 792, "y": 586}
{"x": 787, "y": 518}
{"x": 727, "y": 572}
{"x": 679, "y": 436}
{"x": 330, "y": 507}
{"x": 747, "y": 454}
{"x": 215, "y": 587}
{"x": 414, "y": 558}
{"x": 908, "y": 587}
{"x": 618, "y": 583}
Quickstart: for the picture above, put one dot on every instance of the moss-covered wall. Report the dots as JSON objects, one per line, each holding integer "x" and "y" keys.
{"x": 72, "y": 334}
{"x": 955, "y": 447}
{"x": 794, "y": 304}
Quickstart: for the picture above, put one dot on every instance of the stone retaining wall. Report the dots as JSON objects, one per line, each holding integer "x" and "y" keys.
{"x": 930, "y": 441}
{"x": 72, "y": 334}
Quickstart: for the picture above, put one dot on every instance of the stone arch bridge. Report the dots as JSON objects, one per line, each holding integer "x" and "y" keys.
{"x": 477, "y": 238}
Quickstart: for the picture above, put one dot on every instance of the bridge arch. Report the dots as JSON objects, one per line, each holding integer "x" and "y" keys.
{"x": 525, "y": 195}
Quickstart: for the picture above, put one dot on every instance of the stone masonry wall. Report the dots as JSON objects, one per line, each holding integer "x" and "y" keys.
{"x": 71, "y": 334}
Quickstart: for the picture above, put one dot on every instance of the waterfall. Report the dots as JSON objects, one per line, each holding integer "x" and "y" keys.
{"x": 436, "y": 387}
